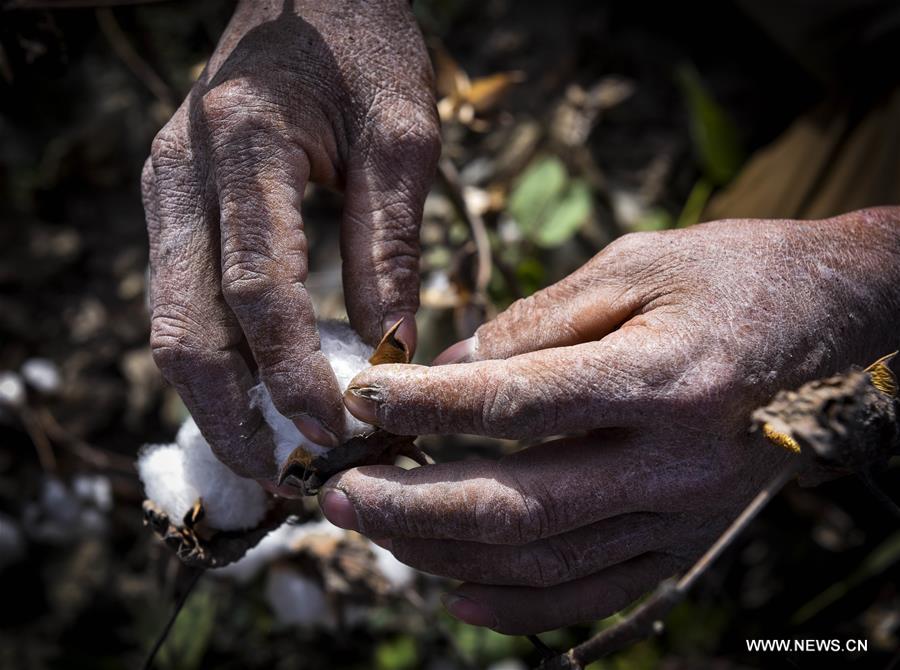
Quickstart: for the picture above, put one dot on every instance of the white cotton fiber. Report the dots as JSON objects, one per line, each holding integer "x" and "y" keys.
{"x": 348, "y": 356}
{"x": 296, "y": 599}
{"x": 12, "y": 389}
{"x": 398, "y": 574}
{"x": 176, "y": 475}
{"x": 280, "y": 542}
{"x": 285, "y": 540}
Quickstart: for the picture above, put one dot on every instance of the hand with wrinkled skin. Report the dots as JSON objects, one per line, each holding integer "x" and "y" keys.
{"x": 333, "y": 92}
{"x": 656, "y": 351}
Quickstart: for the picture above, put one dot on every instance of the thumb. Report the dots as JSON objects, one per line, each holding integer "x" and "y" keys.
{"x": 583, "y": 307}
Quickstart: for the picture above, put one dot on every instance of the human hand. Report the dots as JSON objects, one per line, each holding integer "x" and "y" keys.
{"x": 657, "y": 351}
{"x": 334, "y": 92}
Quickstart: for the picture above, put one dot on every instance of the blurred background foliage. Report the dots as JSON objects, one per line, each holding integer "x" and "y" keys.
{"x": 565, "y": 125}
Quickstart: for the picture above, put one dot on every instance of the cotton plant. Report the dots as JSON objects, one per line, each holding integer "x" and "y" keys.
{"x": 214, "y": 518}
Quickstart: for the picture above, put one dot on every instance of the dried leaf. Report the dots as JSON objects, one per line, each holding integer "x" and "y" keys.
{"x": 845, "y": 422}
{"x": 390, "y": 349}
{"x": 882, "y": 377}
{"x": 461, "y": 98}
{"x": 299, "y": 460}
{"x": 715, "y": 136}
{"x": 450, "y": 78}
{"x": 780, "y": 439}
{"x": 485, "y": 92}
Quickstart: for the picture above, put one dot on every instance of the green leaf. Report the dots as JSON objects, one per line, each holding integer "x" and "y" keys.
{"x": 540, "y": 185}
{"x": 547, "y": 205}
{"x": 397, "y": 654}
{"x": 655, "y": 218}
{"x": 190, "y": 635}
{"x": 531, "y": 274}
{"x": 715, "y": 136}
{"x": 695, "y": 204}
{"x": 882, "y": 557}
{"x": 566, "y": 216}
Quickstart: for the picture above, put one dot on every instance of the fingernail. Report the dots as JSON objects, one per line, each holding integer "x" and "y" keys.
{"x": 468, "y": 610}
{"x": 314, "y": 431}
{"x": 456, "y": 353}
{"x": 383, "y": 542}
{"x": 407, "y": 333}
{"x": 363, "y": 402}
{"x": 338, "y": 509}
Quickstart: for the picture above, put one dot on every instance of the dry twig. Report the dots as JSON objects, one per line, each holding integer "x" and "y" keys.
{"x": 450, "y": 180}
{"x": 113, "y": 33}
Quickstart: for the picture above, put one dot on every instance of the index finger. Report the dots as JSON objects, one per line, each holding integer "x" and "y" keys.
{"x": 261, "y": 176}
{"x": 540, "y": 492}
{"x": 538, "y": 394}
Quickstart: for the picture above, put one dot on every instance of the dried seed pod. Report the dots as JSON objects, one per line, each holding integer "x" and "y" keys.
{"x": 847, "y": 422}
{"x": 198, "y": 545}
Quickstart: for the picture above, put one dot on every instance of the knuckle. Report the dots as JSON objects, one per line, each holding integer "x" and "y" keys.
{"x": 396, "y": 253}
{"x": 148, "y": 179}
{"x": 170, "y": 147}
{"x": 403, "y": 129}
{"x": 230, "y": 102}
{"x": 498, "y": 404}
{"x": 244, "y": 284}
{"x": 629, "y": 243}
{"x": 250, "y": 275}
{"x": 517, "y": 517}
{"x": 177, "y": 342}
{"x": 514, "y": 404}
{"x": 546, "y": 566}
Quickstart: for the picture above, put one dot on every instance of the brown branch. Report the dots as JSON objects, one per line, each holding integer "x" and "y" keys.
{"x": 450, "y": 180}
{"x": 93, "y": 456}
{"x": 117, "y": 39}
{"x": 151, "y": 655}
{"x": 32, "y": 423}
{"x": 646, "y": 618}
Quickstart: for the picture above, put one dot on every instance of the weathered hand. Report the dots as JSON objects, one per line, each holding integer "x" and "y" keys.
{"x": 329, "y": 91}
{"x": 658, "y": 349}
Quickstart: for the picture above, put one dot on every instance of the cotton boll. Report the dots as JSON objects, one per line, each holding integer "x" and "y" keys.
{"x": 398, "y": 574}
{"x": 12, "y": 389}
{"x": 161, "y": 470}
{"x": 273, "y": 546}
{"x": 295, "y": 599}
{"x": 42, "y": 375}
{"x": 59, "y": 516}
{"x": 285, "y": 540}
{"x": 287, "y": 437}
{"x": 94, "y": 490}
{"x": 175, "y": 476}
{"x": 348, "y": 356}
